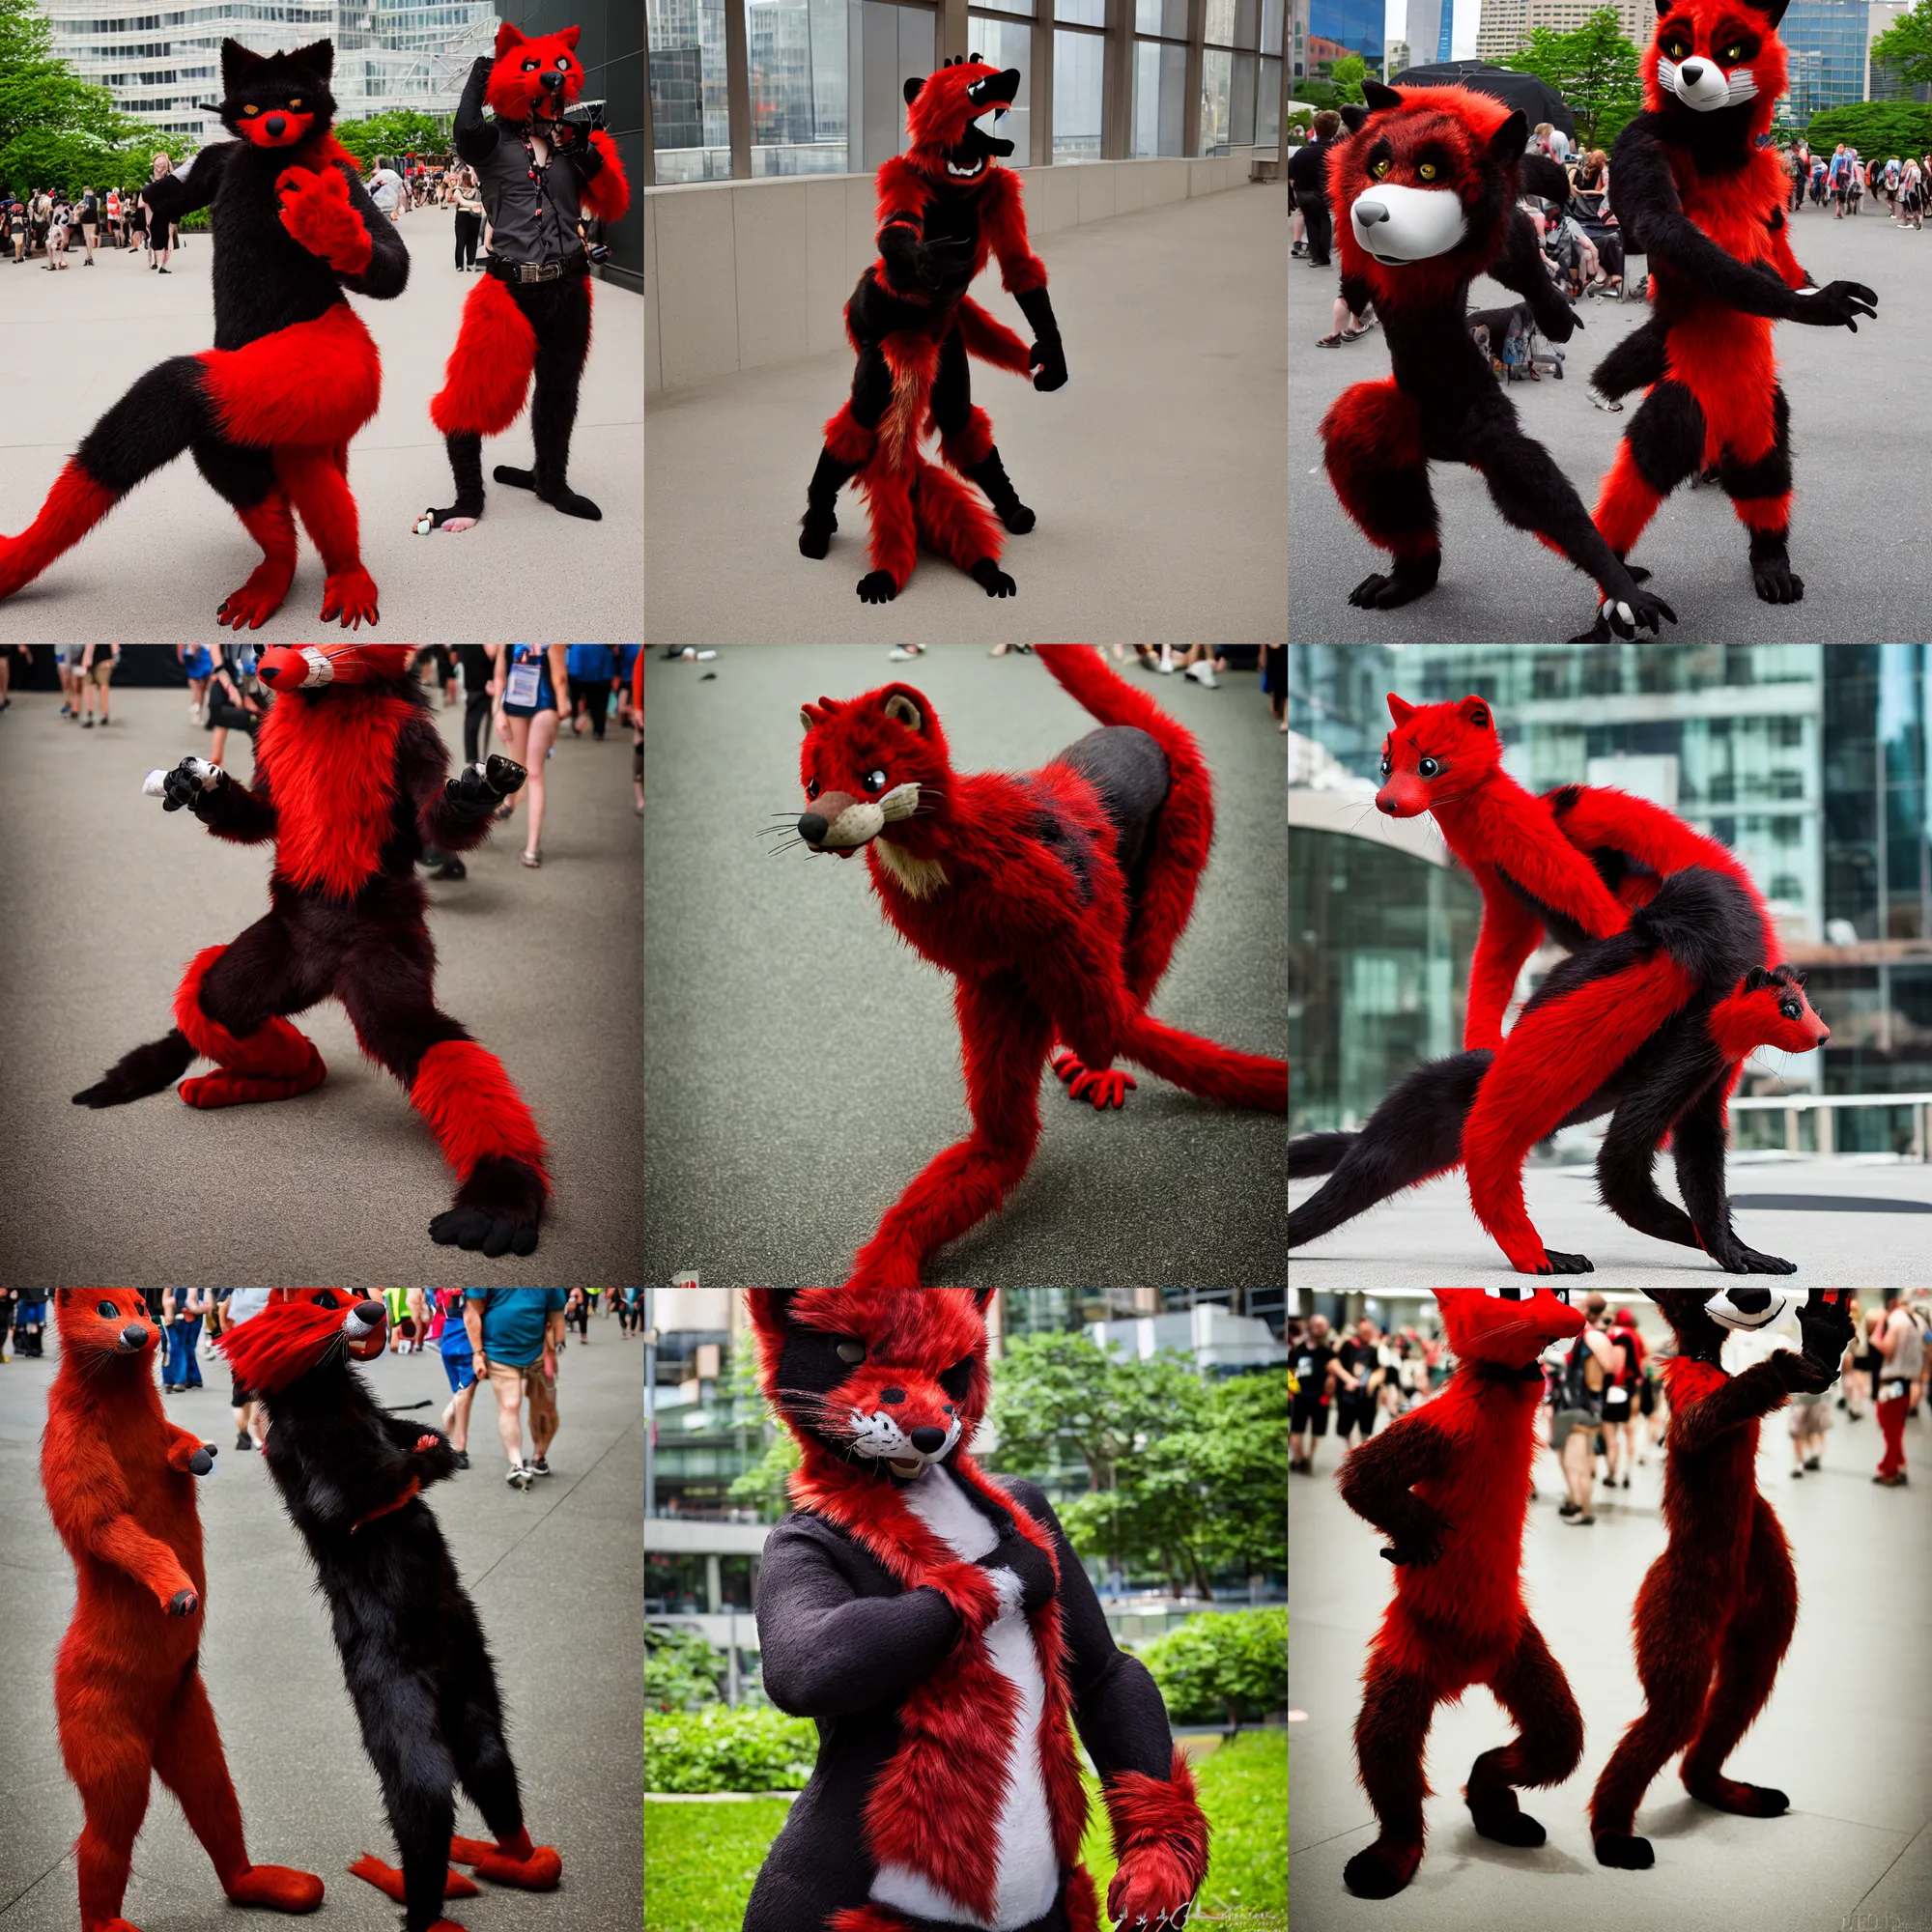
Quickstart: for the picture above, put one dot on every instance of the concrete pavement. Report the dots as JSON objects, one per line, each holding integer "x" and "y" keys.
{"x": 1156, "y": 472}
{"x": 1857, "y": 404}
{"x": 1854, "y": 1850}
{"x": 1847, "y": 1222}
{"x": 103, "y": 899}
{"x": 163, "y": 561}
{"x": 801, "y": 1064}
{"x": 556, "y": 1575}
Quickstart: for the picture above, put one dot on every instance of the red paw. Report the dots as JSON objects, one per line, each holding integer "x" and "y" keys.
{"x": 1106, "y": 1088}
{"x": 278, "y": 1887}
{"x": 427, "y": 1442}
{"x": 350, "y": 595}
{"x": 252, "y": 606}
{"x": 316, "y": 209}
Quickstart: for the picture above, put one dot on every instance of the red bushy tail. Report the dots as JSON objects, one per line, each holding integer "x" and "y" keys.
{"x": 608, "y": 194}
{"x": 991, "y": 341}
{"x": 1201, "y": 1066}
{"x": 1184, "y": 831}
{"x": 74, "y": 505}
{"x": 954, "y": 519}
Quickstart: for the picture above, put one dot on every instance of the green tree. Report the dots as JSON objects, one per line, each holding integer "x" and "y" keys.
{"x": 681, "y": 1668}
{"x": 56, "y": 130}
{"x": 1905, "y": 48}
{"x": 1346, "y": 76}
{"x": 1595, "y": 70}
{"x": 403, "y": 130}
{"x": 1878, "y": 127}
{"x": 762, "y": 1487}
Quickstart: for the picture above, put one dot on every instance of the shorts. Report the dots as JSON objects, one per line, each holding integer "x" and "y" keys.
{"x": 460, "y": 1371}
{"x": 1565, "y": 1420}
{"x": 72, "y": 654}
{"x": 1308, "y": 1412}
{"x": 1646, "y": 1398}
{"x": 528, "y": 1381}
{"x": 1617, "y": 1405}
{"x": 237, "y": 1396}
{"x": 1355, "y": 1412}
{"x": 102, "y": 669}
{"x": 1810, "y": 1415}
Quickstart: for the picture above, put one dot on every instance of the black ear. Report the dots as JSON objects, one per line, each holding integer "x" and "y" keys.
{"x": 914, "y": 82}
{"x": 981, "y": 1296}
{"x": 1379, "y": 98}
{"x": 62, "y": 1297}
{"x": 1508, "y": 142}
{"x": 237, "y": 63}
{"x": 1772, "y": 10}
{"x": 1353, "y": 115}
{"x": 1755, "y": 979}
{"x": 318, "y": 58}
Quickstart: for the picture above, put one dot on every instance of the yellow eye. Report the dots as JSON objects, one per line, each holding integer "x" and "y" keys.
{"x": 1676, "y": 48}
{"x": 1379, "y": 169}
{"x": 295, "y": 103}
{"x": 1426, "y": 172}
{"x": 250, "y": 112}
{"x": 1731, "y": 54}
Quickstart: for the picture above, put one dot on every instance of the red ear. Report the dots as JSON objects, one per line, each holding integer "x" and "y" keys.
{"x": 567, "y": 35}
{"x": 507, "y": 37}
{"x": 1475, "y": 711}
{"x": 1399, "y": 709}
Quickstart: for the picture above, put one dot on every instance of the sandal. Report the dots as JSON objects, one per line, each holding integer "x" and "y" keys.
{"x": 533, "y": 860}
{"x": 1334, "y": 341}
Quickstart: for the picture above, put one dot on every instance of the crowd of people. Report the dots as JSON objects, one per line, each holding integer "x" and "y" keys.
{"x": 1844, "y": 181}
{"x": 1606, "y": 1404}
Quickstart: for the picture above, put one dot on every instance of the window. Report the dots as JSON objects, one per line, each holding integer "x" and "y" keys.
{"x": 827, "y": 82}
{"x": 1160, "y": 82}
{"x": 1005, "y": 44}
{"x": 1077, "y": 67}
{"x": 689, "y": 116}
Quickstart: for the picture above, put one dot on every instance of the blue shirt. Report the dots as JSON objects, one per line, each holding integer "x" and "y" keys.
{"x": 514, "y": 1321}
{"x": 591, "y": 660}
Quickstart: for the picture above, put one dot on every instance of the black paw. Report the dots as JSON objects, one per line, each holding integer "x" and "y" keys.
{"x": 1742, "y": 1260}
{"x": 1775, "y": 582}
{"x": 517, "y": 480}
{"x": 1403, "y": 585}
{"x": 1626, "y": 1854}
{"x": 183, "y": 1604}
{"x": 1017, "y": 518}
{"x": 876, "y": 586}
{"x": 1381, "y": 1871}
{"x": 992, "y": 579}
{"x": 201, "y": 1461}
{"x": 497, "y": 1211}
{"x": 1599, "y": 632}
{"x": 815, "y": 535}
{"x": 1497, "y": 1815}
{"x": 1637, "y": 611}
{"x": 1556, "y": 1262}
{"x": 561, "y": 497}
{"x": 1742, "y": 1800}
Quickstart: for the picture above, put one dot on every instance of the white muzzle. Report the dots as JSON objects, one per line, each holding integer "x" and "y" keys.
{"x": 1703, "y": 85}
{"x": 1399, "y": 224}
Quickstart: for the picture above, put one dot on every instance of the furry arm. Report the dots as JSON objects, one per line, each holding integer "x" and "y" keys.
{"x": 475, "y": 137}
{"x": 607, "y": 192}
{"x": 351, "y": 1493}
{"x": 1003, "y": 219}
{"x": 91, "y": 1512}
{"x": 387, "y": 273}
{"x": 1160, "y": 1837}
{"x": 174, "y": 196}
{"x": 1508, "y": 936}
{"x": 1519, "y": 266}
{"x": 232, "y": 810}
{"x": 1514, "y": 832}
{"x": 1377, "y": 1483}
{"x": 444, "y": 817}
{"x": 828, "y": 1651}
{"x": 912, "y": 266}
{"x": 1117, "y": 1707}
{"x": 1762, "y": 1387}
{"x": 431, "y": 1458}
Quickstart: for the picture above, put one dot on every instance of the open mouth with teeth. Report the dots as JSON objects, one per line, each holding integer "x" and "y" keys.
{"x": 906, "y": 1466}
{"x": 991, "y": 96}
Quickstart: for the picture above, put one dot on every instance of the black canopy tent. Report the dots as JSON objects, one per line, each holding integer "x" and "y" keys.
{"x": 1536, "y": 98}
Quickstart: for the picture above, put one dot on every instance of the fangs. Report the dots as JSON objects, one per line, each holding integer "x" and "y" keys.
{"x": 964, "y": 174}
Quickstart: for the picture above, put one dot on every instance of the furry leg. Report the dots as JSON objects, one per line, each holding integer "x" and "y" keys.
{"x": 109, "y": 1765}
{"x": 895, "y": 537}
{"x": 466, "y": 464}
{"x": 1391, "y": 1731}
{"x": 851, "y": 436}
{"x": 272, "y": 526}
{"x": 1202, "y": 1067}
{"x": 1161, "y": 1838}
{"x": 488, "y": 1774}
{"x": 189, "y": 1760}
{"x": 514, "y": 1862}
{"x": 389, "y": 1881}
{"x": 1550, "y": 1742}
{"x": 1372, "y": 439}
{"x": 228, "y": 1009}
{"x": 484, "y": 388}
{"x": 956, "y": 524}
{"x": 1754, "y": 1647}
{"x": 312, "y": 382}
{"x": 1761, "y": 493}
{"x": 563, "y": 348}
{"x": 320, "y": 492}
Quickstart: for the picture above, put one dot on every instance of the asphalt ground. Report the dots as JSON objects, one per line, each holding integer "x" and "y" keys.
{"x": 801, "y": 1065}
{"x": 1858, "y": 409}
{"x": 1875, "y": 1233}
{"x": 160, "y": 565}
{"x": 556, "y": 1575}
{"x": 105, "y": 899}
{"x": 1841, "y": 1734}
{"x": 1156, "y": 472}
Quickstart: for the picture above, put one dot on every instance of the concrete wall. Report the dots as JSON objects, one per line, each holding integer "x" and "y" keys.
{"x": 742, "y": 275}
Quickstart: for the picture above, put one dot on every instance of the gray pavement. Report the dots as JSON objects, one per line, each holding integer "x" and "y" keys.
{"x": 556, "y": 1575}
{"x": 1156, "y": 472}
{"x": 802, "y": 1065}
{"x": 160, "y": 565}
{"x": 1857, "y": 405}
{"x": 1874, "y": 1233}
{"x": 1854, "y": 1850}
{"x": 103, "y": 899}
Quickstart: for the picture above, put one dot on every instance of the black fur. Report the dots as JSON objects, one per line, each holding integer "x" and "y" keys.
{"x": 558, "y": 314}
{"x": 138, "y": 1074}
{"x": 412, "y": 1651}
{"x": 1128, "y": 770}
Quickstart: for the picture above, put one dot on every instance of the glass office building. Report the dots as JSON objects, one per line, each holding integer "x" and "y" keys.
{"x": 1824, "y": 43}
{"x": 1354, "y": 26}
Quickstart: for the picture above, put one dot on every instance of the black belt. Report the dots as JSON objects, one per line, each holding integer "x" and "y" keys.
{"x": 535, "y": 271}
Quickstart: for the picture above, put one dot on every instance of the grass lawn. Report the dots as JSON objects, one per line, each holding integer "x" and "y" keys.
{"x": 700, "y": 1858}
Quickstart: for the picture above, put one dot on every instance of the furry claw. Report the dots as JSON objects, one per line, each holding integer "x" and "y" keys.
{"x": 1555, "y": 1263}
{"x": 1105, "y": 1087}
{"x": 1774, "y": 582}
{"x": 876, "y": 586}
{"x": 491, "y": 1235}
{"x": 1626, "y": 1854}
{"x": 349, "y": 596}
{"x": 251, "y": 606}
{"x": 992, "y": 579}
{"x": 1748, "y": 1261}
{"x": 1744, "y": 1801}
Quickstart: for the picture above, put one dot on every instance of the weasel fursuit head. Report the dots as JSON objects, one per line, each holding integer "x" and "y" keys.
{"x": 939, "y": 1628}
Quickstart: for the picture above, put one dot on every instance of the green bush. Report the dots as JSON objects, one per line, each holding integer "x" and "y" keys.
{"x": 1222, "y": 1663}
{"x": 681, "y": 1668}
{"x": 719, "y": 1748}
{"x": 1878, "y": 127}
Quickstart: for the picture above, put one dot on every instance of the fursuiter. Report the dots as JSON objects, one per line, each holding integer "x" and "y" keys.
{"x": 939, "y": 1628}
{"x": 1428, "y": 185}
{"x": 1449, "y": 1485}
{"x": 1055, "y": 899}
{"x": 1699, "y": 189}
{"x": 945, "y": 206}
{"x": 539, "y": 168}
{"x": 127, "y": 1690}
{"x": 269, "y": 411}
{"x": 1715, "y": 1614}
{"x": 413, "y": 1657}
{"x": 351, "y": 783}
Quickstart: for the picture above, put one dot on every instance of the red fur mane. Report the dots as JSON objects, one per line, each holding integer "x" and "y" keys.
{"x": 291, "y": 1336}
{"x": 515, "y": 90}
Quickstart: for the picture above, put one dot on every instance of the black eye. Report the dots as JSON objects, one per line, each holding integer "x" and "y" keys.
{"x": 891, "y": 1395}
{"x": 875, "y": 781}
{"x": 326, "y": 1299}
{"x": 529, "y": 66}
{"x": 1387, "y": 768}
{"x": 956, "y": 1379}
{"x": 106, "y": 1310}
{"x": 853, "y": 1353}
{"x": 1790, "y": 1009}
{"x": 811, "y": 789}
{"x": 1428, "y": 768}
{"x": 946, "y": 1406}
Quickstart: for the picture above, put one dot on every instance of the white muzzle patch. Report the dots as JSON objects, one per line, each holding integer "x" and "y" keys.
{"x": 859, "y": 824}
{"x": 321, "y": 668}
{"x": 879, "y": 1438}
{"x": 1399, "y": 224}
{"x": 1703, "y": 85}
{"x": 1724, "y": 1310}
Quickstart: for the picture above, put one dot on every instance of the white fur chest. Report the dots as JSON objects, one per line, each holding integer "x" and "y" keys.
{"x": 1029, "y": 1872}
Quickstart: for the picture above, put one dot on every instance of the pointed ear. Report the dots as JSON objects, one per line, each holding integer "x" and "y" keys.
{"x": 1399, "y": 709}
{"x": 318, "y": 58}
{"x": 1756, "y": 978}
{"x": 568, "y": 35}
{"x": 1475, "y": 713}
{"x": 1381, "y": 99}
{"x": 1769, "y": 11}
{"x": 983, "y": 1298}
{"x": 237, "y": 62}
{"x": 914, "y": 82}
{"x": 906, "y": 707}
{"x": 1508, "y": 142}
{"x": 507, "y": 37}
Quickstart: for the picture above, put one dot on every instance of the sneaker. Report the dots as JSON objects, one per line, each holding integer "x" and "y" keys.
{"x": 1811, "y": 1462}
{"x": 1798, "y": 1474}
{"x": 242, "y": 1441}
{"x": 87, "y": 723}
{"x": 540, "y": 1467}
{"x": 519, "y": 1477}
{"x": 1579, "y": 1521}
{"x": 1566, "y": 1508}
{"x": 1203, "y": 673}
{"x": 462, "y": 1459}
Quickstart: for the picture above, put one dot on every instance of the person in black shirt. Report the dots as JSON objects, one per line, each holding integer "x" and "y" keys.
{"x": 1311, "y": 1363}
{"x": 1308, "y": 178}
{"x": 1358, "y": 1380}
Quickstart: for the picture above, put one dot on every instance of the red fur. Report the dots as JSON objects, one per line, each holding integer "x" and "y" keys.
{"x": 284, "y": 1342}
{"x": 969, "y": 445}
{"x": 850, "y": 441}
{"x": 272, "y": 526}
{"x": 254, "y": 129}
{"x": 389, "y": 1881}
{"x": 866, "y": 1919}
{"x": 1161, "y": 1837}
{"x": 1449, "y": 1484}
{"x": 74, "y": 505}
{"x": 274, "y": 1063}
{"x": 991, "y": 340}
{"x": 1371, "y": 430}
{"x": 487, "y": 380}
{"x": 312, "y": 382}
{"x": 516, "y": 1861}
{"x": 1088, "y": 969}
{"x": 318, "y": 486}
{"x": 128, "y": 1690}
{"x": 1082, "y": 1908}
{"x": 1752, "y": 1016}
{"x": 475, "y": 1110}
{"x": 316, "y": 209}
{"x": 514, "y": 95}
{"x": 608, "y": 194}
{"x": 320, "y": 760}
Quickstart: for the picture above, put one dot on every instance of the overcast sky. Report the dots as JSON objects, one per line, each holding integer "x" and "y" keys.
{"x": 1468, "y": 12}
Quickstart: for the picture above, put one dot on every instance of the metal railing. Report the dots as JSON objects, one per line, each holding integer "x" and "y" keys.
{"x": 1827, "y": 1106}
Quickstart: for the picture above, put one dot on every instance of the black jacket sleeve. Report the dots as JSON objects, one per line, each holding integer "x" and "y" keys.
{"x": 175, "y": 195}
{"x": 1117, "y": 1706}
{"x": 1519, "y": 266}
{"x": 388, "y": 274}
{"x": 475, "y": 137}
{"x": 828, "y": 1651}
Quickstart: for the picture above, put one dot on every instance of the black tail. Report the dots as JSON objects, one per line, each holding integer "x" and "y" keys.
{"x": 143, "y": 1071}
{"x": 1416, "y": 1131}
{"x": 1317, "y": 1153}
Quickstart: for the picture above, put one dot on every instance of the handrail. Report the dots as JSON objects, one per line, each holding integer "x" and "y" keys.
{"x": 1790, "y": 1102}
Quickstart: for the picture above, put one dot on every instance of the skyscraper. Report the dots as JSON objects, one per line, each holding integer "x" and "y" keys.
{"x": 1425, "y": 30}
{"x": 1446, "y": 34}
